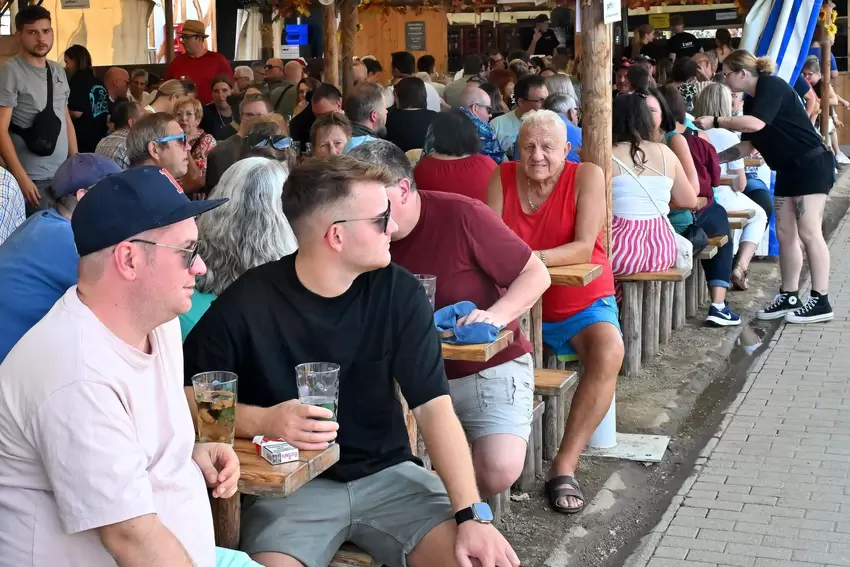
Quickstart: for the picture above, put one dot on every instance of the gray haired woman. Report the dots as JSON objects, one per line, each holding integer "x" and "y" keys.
{"x": 245, "y": 232}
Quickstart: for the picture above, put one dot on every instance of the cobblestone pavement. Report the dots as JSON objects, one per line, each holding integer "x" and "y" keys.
{"x": 772, "y": 488}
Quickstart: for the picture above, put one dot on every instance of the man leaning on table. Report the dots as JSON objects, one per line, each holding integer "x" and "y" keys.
{"x": 98, "y": 463}
{"x": 475, "y": 258}
{"x": 339, "y": 299}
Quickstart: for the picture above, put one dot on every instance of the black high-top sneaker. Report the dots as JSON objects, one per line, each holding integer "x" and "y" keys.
{"x": 784, "y": 302}
{"x": 815, "y": 310}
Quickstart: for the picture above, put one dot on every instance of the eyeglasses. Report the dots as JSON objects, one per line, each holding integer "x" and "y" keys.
{"x": 383, "y": 220}
{"x": 190, "y": 253}
{"x": 535, "y": 100}
{"x": 267, "y": 67}
{"x": 725, "y": 75}
{"x": 185, "y": 38}
{"x": 182, "y": 138}
{"x": 262, "y": 141}
{"x": 487, "y": 107}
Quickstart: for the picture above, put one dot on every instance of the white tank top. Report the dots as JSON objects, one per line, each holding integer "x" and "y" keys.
{"x": 630, "y": 201}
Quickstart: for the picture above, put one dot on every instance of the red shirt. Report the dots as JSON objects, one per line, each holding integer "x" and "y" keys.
{"x": 466, "y": 176}
{"x": 707, "y": 166}
{"x": 551, "y": 226}
{"x": 201, "y": 71}
{"x": 474, "y": 256}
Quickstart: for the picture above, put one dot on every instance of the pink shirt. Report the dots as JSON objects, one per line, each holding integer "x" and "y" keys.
{"x": 94, "y": 432}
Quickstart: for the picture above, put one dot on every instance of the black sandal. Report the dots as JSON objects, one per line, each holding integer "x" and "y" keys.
{"x": 556, "y": 488}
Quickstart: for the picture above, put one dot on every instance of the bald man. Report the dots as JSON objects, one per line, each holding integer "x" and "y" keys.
{"x": 117, "y": 83}
{"x": 274, "y": 73}
{"x": 360, "y": 73}
{"x": 284, "y": 96}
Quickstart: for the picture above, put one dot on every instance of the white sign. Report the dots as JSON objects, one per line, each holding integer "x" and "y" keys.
{"x": 611, "y": 11}
{"x": 290, "y": 51}
{"x": 726, "y": 16}
{"x": 66, "y": 4}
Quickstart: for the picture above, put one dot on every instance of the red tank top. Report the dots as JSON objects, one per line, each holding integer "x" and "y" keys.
{"x": 553, "y": 225}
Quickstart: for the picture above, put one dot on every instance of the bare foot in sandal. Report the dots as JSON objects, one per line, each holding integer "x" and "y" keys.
{"x": 565, "y": 494}
{"x": 740, "y": 279}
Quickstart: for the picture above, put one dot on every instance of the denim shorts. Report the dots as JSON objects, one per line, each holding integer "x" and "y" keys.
{"x": 496, "y": 400}
{"x": 558, "y": 335}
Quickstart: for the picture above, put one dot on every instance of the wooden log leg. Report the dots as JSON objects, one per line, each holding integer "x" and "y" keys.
{"x": 703, "y": 286}
{"x": 506, "y": 502}
{"x": 679, "y": 308}
{"x": 527, "y": 477}
{"x": 550, "y": 428}
{"x": 651, "y": 319}
{"x": 562, "y": 417}
{"x": 632, "y": 307}
{"x": 495, "y": 503}
{"x": 227, "y": 515}
{"x": 538, "y": 447}
{"x": 536, "y": 332}
{"x": 665, "y": 310}
{"x": 691, "y": 292}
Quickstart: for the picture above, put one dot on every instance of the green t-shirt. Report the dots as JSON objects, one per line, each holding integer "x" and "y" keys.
{"x": 200, "y": 303}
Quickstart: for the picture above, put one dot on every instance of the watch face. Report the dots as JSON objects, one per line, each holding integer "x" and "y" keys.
{"x": 482, "y": 512}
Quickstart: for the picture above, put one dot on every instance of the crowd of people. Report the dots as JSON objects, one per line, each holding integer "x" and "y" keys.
{"x": 185, "y": 230}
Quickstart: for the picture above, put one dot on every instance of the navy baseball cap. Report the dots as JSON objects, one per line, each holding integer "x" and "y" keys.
{"x": 81, "y": 171}
{"x": 127, "y": 203}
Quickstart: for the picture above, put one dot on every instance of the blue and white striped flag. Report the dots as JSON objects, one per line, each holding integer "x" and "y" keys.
{"x": 782, "y": 30}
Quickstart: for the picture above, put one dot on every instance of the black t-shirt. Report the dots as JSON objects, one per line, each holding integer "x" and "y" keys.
{"x": 89, "y": 96}
{"x": 407, "y": 128}
{"x": 683, "y": 45}
{"x": 379, "y": 330}
{"x": 301, "y": 123}
{"x": 546, "y": 45}
{"x": 788, "y": 135}
{"x": 218, "y": 126}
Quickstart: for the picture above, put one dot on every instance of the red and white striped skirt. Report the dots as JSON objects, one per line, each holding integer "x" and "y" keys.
{"x": 642, "y": 246}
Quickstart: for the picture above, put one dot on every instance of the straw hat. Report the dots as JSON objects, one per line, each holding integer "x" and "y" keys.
{"x": 194, "y": 27}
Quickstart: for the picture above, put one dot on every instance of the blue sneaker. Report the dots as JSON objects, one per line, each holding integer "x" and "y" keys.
{"x": 722, "y": 317}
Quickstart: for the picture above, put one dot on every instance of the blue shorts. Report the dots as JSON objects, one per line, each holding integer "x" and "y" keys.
{"x": 558, "y": 335}
{"x": 231, "y": 558}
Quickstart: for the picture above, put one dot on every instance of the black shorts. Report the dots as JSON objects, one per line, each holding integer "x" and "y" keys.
{"x": 815, "y": 176}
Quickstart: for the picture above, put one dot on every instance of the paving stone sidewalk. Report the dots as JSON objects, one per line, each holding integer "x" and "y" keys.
{"x": 772, "y": 488}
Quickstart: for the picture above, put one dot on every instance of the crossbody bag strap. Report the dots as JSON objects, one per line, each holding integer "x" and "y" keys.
{"x": 628, "y": 170}
{"x": 49, "y": 87}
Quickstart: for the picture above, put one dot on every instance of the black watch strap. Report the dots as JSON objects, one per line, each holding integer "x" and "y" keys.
{"x": 464, "y": 515}
{"x": 717, "y": 122}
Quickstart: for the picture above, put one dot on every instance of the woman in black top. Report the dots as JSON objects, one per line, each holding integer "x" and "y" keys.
{"x": 777, "y": 126}
{"x": 408, "y": 124}
{"x": 88, "y": 101}
{"x": 218, "y": 115}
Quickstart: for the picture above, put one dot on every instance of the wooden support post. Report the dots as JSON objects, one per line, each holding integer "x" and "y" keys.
{"x": 227, "y": 512}
{"x": 826, "y": 71}
{"x": 168, "y": 8}
{"x": 692, "y": 291}
{"x": 651, "y": 319}
{"x": 665, "y": 309}
{"x": 632, "y": 321}
{"x": 331, "y": 55}
{"x": 348, "y": 26}
{"x": 267, "y": 38}
{"x": 679, "y": 309}
{"x": 596, "y": 97}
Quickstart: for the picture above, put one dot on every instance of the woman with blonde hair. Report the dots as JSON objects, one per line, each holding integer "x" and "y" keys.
{"x": 166, "y": 96}
{"x": 247, "y": 231}
{"x": 188, "y": 113}
{"x": 561, "y": 84}
{"x": 716, "y": 100}
{"x": 776, "y": 124}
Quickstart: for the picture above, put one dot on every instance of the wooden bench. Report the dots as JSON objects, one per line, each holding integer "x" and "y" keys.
{"x": 653, "y": 305}
{"x": 552, "y": 386}
{"x": 480, "y": 352}
{"x": 737, "y": 223}
{"x": 533, "y": 466}
{"x": 577, "y": 275}
{"x": 747, "y": 214}
{"x": 727, "y": 180}
{"x": 753, "y": 162}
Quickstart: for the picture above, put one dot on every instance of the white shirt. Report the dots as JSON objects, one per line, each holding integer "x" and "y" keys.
{"x": 723, "y": 139}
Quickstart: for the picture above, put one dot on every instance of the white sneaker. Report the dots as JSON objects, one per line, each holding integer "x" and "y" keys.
{"x": 842, "y": 159}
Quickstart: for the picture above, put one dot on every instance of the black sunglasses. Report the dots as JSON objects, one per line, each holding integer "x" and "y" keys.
{"x": 383, "y": 220}
{"x": 277, "y": 142}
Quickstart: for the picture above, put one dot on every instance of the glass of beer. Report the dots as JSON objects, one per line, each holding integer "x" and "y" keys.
{"x": 318, "y": 384}
{"x": 429, "y": 283}
{"x": 215, "y": 395}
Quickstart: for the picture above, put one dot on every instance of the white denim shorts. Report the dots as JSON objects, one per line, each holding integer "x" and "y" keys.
{"x": 496, "y": 400}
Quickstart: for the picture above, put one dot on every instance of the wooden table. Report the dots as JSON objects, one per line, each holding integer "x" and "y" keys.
{"x": 753, "y": 162}
{"x": 259, "y": 477}
{"x": 746, "y": 214}
{"x": 727, "y": 180}
{"x": 480, "y": 352}
{"x": 738, "y": 223}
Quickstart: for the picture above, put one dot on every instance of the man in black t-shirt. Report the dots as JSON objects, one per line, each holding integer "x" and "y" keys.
{"x": 544, "y": 41}
{"x": 339, "y": 299}
{"x": 682, "y": 43}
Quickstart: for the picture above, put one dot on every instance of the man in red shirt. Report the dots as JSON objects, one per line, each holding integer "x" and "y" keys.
{"x": 475, "y": 258}
{"x": 198, "y": 64}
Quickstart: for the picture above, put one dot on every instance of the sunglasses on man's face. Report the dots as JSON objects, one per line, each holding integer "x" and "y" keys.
{"x": 267, "y": 67}
{"x": 181, "y": 138}
{"x": 382, "y": 220}
{"x": 256, "y": 141}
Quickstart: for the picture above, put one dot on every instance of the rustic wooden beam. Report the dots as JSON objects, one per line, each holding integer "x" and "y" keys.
{"x": 348, "y": 26}
{"x": 168, "y": 8}
{"x": 826, "y": 71}
{"x": 331, "y": 55}
{"x": 596, "y": 97}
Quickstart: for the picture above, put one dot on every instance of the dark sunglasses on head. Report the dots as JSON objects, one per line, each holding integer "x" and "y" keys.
{"x": 261, "y": 141}
{"x": 382, "y": 220}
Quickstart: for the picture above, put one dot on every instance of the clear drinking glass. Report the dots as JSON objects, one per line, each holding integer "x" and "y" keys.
{"x": 215, "y": 395}
{"x": 318, "y": 384}
{"x": 308, "y": 150}
{"x": 429, "y": 283}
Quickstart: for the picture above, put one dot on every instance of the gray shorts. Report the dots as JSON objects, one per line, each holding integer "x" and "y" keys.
{"x": 386, "y": 514}
{"x": 497, "y": 400}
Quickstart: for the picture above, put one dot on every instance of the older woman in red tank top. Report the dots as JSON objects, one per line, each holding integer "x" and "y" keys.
{"x": 558, "y": 208}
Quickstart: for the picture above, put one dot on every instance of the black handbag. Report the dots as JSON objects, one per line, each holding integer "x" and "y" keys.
{"x": 697, "y": 237}
{"x": 41, "y": 137}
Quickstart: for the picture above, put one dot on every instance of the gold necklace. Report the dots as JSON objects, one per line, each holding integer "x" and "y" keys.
{"x": 534, "y": 208}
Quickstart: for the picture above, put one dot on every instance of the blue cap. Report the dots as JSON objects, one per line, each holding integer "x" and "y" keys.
{"x": 128, "y": 203}
{"x": 81, "y": 171}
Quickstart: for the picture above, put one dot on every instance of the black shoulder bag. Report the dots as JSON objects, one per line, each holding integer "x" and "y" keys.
{"x": 41, "y": 137}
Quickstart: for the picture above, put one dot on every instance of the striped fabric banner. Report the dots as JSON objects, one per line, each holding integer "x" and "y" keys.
{"x": 782, "y": 30}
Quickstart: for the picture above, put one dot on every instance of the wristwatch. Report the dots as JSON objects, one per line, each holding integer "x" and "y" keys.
{"x": 480, "y": 512}
{"x": 717, "y": 122}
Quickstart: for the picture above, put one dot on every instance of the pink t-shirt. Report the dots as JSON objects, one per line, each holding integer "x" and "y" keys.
{"x": 94, "y": 432}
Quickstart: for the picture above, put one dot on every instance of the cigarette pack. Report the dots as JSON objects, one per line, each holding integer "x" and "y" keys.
{"x": 275, "y": 450}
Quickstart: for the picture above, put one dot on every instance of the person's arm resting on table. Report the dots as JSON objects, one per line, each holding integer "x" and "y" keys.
{"x": 88, "y": 420}
{"x": 590, "y": 217}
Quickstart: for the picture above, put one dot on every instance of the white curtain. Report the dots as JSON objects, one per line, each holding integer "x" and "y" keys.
{"x": 249, "y": 39}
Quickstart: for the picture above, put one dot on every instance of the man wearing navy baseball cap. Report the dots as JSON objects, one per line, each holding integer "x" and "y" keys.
{"x": 105, "y": 467}
{"x": 38, "y": 262}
